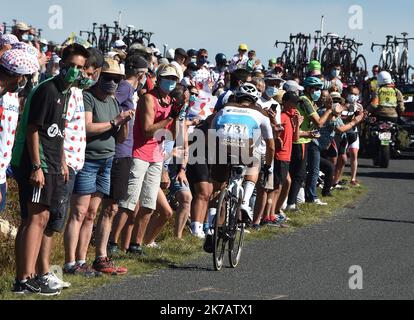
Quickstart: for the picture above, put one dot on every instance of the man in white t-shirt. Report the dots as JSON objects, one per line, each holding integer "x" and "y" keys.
{"x": 180, "y": 59}
{"x": 239, "y": 60}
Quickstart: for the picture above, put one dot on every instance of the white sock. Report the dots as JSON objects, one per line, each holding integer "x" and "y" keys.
{"x": 80, "y": 262}
{"x": 200, "y": 228}
{"x": 211, "y": 214}
{"x": 196, "y": 226}
{"x": 248, "y": 191}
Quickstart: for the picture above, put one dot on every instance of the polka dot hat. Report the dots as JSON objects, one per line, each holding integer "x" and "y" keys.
{"x": 8, "y": 39}
{"x": 21, "y": 60}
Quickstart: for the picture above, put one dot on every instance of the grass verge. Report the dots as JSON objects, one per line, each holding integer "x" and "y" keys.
{"x": 172, "y": 253}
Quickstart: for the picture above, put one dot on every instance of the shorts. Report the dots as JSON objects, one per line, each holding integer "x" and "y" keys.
{"x": 342, "y": 144}
{"x": 331, "y": 152}
{"x": 50, "y": 195}
{"x": 198, "y": 173}
{"x": 280, "y": 172}
{"x": 59, "y": 210}
{"x": 3, "y": 191}
{"x": 355, "y": 145}
{"x": 119, "y": 178}
{"x": 220, "y": 172}
{"x": 143, "y": 185}
{"x": 175, "y": 185}
{"x": 95, "y": 177}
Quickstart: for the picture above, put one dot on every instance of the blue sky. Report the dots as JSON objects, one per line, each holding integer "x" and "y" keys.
{"x": 221, "y": 25}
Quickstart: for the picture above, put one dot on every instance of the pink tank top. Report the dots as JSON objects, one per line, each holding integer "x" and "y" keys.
{"x": 150, "y": 149}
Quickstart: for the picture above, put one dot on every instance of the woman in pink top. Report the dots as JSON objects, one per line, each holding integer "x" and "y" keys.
{"x": 154, "y": 114}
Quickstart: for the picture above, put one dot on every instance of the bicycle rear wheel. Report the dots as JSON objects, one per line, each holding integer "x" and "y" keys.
{"x": 360, "y": 67}
{"x": 403, "y": 69}
{"x": 220, "y": 231}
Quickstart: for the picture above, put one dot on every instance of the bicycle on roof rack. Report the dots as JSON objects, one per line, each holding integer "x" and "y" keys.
{"x": 317, "y": 48}
{"x": 287, "y": 59}
{"x": 302, "y": 54}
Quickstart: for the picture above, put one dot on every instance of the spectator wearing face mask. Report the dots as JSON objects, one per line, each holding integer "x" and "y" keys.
{"x": 13, "y": 78}
{"x": 136, "y": 69}
{"x": 105, "y": 127}
{"x": 154, "y": 113}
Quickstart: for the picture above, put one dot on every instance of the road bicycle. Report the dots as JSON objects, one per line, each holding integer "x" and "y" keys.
{"x": 302, "y": 55}
{"x": 228, "y": 228}
{"x": 331, "y": 54}
{"x": 317, "y": 48}
{"x": 354, "y": 65}
{"x": 287, "y": 59}
{"x": 403, "y": 65}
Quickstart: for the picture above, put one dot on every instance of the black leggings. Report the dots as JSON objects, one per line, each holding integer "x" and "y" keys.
{"x": 328, "y": 169}
{"x": 297, "y": 170}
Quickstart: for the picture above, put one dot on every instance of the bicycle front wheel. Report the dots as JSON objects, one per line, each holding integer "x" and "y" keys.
{"x": 220, "y": 231}
{"x": 236, "y": 245}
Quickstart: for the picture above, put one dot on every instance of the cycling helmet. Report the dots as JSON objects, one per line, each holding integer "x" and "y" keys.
{"x": 312, "y": 82}
{"x": 170, "y": 54}
{"x": 384, "y": 78}
{"x": 221, "y": 59}
{"x": 248, "y": 90}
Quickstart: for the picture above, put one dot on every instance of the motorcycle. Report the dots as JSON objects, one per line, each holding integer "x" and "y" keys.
{"x": 382, "y": 141}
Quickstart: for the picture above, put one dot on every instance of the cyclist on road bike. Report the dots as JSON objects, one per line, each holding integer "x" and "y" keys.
{"x": 388, "y": 102}
{"x": 242, "y": 124}
{"x": 238, "y": 123}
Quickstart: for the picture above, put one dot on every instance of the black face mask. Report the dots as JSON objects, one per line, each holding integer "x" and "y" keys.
{"x": 109, "y": 86}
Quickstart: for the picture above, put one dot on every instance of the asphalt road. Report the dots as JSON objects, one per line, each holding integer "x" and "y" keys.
{"x": 312, "y": 263}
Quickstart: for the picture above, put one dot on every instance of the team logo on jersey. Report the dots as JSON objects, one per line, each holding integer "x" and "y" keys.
{"x": 54, "y": 131}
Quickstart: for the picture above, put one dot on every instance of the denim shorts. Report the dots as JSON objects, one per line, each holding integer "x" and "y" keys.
{"x": 3, "y": 197}
{"x": 176, "y": 186}
{"x": 95, "y": 177}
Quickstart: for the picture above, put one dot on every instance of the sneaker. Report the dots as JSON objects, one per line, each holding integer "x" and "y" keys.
{"x": 200, "y": 234}
{"x": 153, "y": 245}
{"x": 54, "y": 282}
{"x": 114, "y": 252}
{"x": 82, "y": 270}
{"x": 31, "y": 286}
{"x": 282, "y": 214}
{"x": 256, "y": 227}
{"x": 136, "y": 250}
{"x": 36, "y": 285}
{"x": 339, "y": 187}
{"x": 264, "y": 222}
{"x": 107, "y": 266}
{"x": 292, "y": 207}
{"x": 208, "y": 244}
{"x": 327, "y": 194}
{"x": 319, "y": 202}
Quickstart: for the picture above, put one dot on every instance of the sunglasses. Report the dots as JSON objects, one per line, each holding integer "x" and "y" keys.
{"x": 205, "y": 57}
{"x": 112, "y": 78}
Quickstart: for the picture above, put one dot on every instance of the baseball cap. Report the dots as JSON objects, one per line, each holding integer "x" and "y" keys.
{"x": 136, "y": 62}
{"x": 168, "y": 70}
{"x": 112, "y": 66}
{"x": 292, "y": 86}
{"x": 22, "y": 26}
{"x": 119, "y": 44}
{"x": 273, "y": 61}
{"x": 290, "y": 97}
{"x": 181, "y": 52}
{"x": 272, "y": 77}
{"x": 20, "y": 61}
{"x": 244, "y": 47}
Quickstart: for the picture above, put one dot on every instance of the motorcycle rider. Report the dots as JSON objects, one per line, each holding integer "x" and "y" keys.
{"x": 388, "y": 102}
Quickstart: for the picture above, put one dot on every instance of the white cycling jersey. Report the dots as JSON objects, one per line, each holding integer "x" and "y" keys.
{"x": 236, "y": 122}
